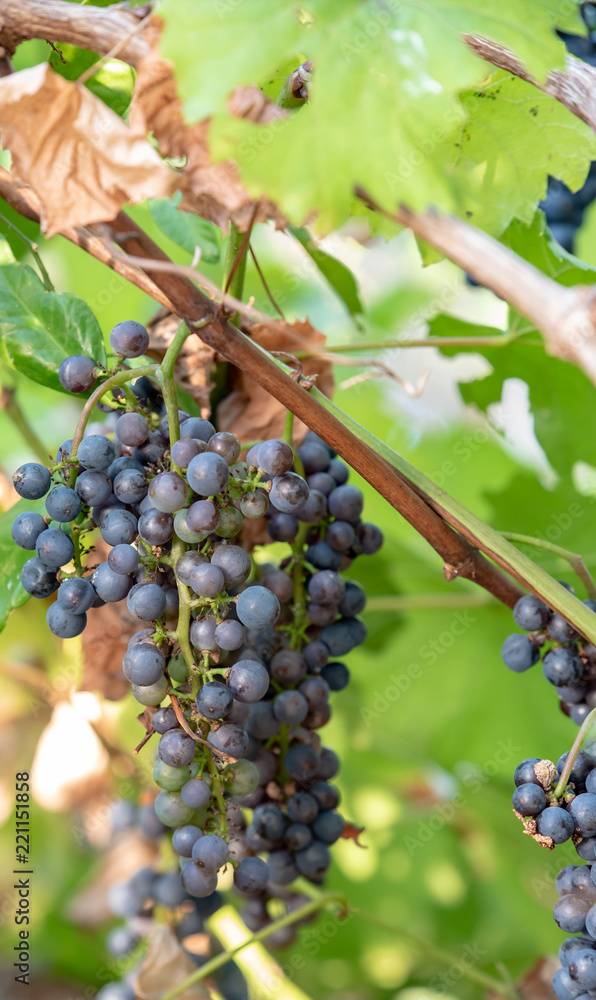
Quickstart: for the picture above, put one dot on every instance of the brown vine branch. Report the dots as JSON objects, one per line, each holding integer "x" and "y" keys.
{"x": 100, "y": 29}
{"x": 565, "y": 316}
{"x": 460, "y": 557}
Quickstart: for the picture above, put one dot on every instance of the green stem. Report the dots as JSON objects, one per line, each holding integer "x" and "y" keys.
{"x": 443, "y": 957}
{"x": 34, "y": 249}
{"x": 234, "y": 264}
{"x": 574, "y": 559}
{"x": 121, "y": 378}
{"x": 298, "y": 599}
{"x": 184, "y": 599}
{"x": 218, "y": 793}
{"x": 498, "y": 340}
{"x": 571, "y": 756}
{"x": 289, "y": 918}
{"x": 288, "y": 431}
{"x": 10, "y": 405}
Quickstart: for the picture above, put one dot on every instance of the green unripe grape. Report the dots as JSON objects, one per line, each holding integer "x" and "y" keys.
{"x": 170, "y": 809}
{"x": 230, "y": 522}
{"x": 170, "y": 778}
{"x": 151, "y": 694}
{"x": 177, "y": 669}
{"x": 241, "y": 778}
{"x": 185, "y": 533}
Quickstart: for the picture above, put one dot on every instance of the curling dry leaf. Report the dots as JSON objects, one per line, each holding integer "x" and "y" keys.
{"x": 249, "y": 411}
{"x": 212, "y": 190}
{"x": 165, "y": 966}
{"x": 193, "y": 367}
{"x": 83, "y": 161}
{"x": 105, "y": 641}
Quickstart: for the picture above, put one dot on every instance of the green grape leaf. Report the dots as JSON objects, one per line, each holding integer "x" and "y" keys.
{"x": 558, "y": 391}
{"x": 335, "y": 273}
{"x": 6, "y": 254}
{"x": 534, "y": 244}
{"x": 39, "y": 329}
{"x": 12, "y": 560}
{"x": 185, "y": 229}
{"x": 515, "y": 136}
{"x": 113, "y": 83}
{"x": 388, "y": 74}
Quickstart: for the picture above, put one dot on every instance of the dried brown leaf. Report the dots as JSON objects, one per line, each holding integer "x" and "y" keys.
{"x": 352, "y": 832}
{"x": 165, "y": 966}
{"x": 82, "y": 160}
{"x": 249, "y": 411}
{"x": 105, "y": 641}
{"x": 89, "y": 907}
{"x": 195, "y": 361}
{"x": 212, "y": 190}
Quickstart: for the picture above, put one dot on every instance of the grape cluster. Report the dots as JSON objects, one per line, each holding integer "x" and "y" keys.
{"x": 571, "y": 816}
{"x": 568, "y": 660}
{"x": 564, "y": 209}
{"x": 235, "y": 661}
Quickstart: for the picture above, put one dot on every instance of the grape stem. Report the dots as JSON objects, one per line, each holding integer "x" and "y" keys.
{"x": 572, "y": 755}
{"x": 10, "y": 406}
{"x": 286, "y": 921}
{"x": 34, "y": 250}
{"x": 574, "y": 559}
{"x": 121, "y": 378}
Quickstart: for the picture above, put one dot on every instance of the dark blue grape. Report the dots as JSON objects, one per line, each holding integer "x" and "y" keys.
{"x": 314, "y": 455}
{"x": 129, "y": 339}
{"x": 76, "y": 373}
{"x": 290, "y": 707}
{"x": 195, "y": 793}
{"x": 316, "y": 655}
{"x": 146, "y": 601}
{"x": 583, "y": 764}
{"x": 369, "y": 539}
{"x": 324, "y": 483}
{"x": 176, "y": 748}
{"x": 230, "y": 739}
{"x": 168, "y": 492}
{"x": 55, "y": 548}
{"x": 196, "y": 427}
{"x": 123, "y": 559}
{"x": 289, "y": 493}
{"x": 63, "y": 504}
{"x": 571, "y": 946}
{"x": 315, "y": 508}
{"x": 164, "y": 719}
{"x": 234, "y": 562}
{"x": 302, "y": 807}
{"x": 336, "y": 675}
{"x": 185, "y": 565}
{"x": 529, "y": 800}
{"x": 322, "y": 556}
{"x": 519, "y": 653}
{"x": 339, "y": 471}
{"x": 288, "y": 666}
{"x": 560, "y": 666}
{"x": 257, "y": 607}
{"x": 32, "y": 481}
{"x": 327, "y": 795}
{"x": 282, "y": 867}
{"x": 555, "y": 823}
{"x": 326, "y": 587}
{"x": 297, "y": 836}
{"x": 26, "y": 529}
{"x": 345, "y": 503}
{"x": 274, "y": 457}
{"x": 184, "y": 450}
{"x": 329, "y": 826}
{"x": 64, "y": 624}
{"x": 283, "y": 527}
{"x": 251, "y": 876}
{"x": 214, "y": 700}
{"x": 130, "y": 486}
{"x": 563, "y": 986}
{"x": 120, "y": 941}
{"x": 207, "y": 474}
{"x": 248, "y": 680}
{"x": 559, "y": 630}
{"x": 340, "y": 536}
{"x": 525, "y": 773}
{"x": 120, "y": 464}
{"x": 583, "y": 811}
{"x": 207, "y": 580}
{"x": 262, "y": 724}
{"x": 570, "y": 913}
{"x": 76, "y": 595}
{"x": 301, "y": 762}
{"x": 96, "y": 452}
{"x": 269, "y": 821}
{"x": 226, "y": 445}
{"x": 197, "y": 881}
{"x": 169, "y": 891}
{"x": 280, "y": 583}
{"x": 156, "y": 527}
{"x": 132, "y": 429}
{"x": 110, "y": 586}
{"x": 582, "y": 969}
{"x": 343, "y": 636}
{"x": 184, "y": 839}
{"x": 229, "y": 634}
{"x": 202, "y": 634}
{"x": 119, "y": 527}
{"x": 328, "y": 764}
{"x": 314, "y": 861}
{"x": 530, "y": 613}
{"x": 37, "y": 579}
{"x": 143, "y": 663}
{"x": 93, "y": 487}
{"x": 210, "y": 852}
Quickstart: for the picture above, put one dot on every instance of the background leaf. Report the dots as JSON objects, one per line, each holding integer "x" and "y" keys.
{"x": 335, "y": 273}
{"x": 39, "y": 329}
{"x": 186, "y": 229}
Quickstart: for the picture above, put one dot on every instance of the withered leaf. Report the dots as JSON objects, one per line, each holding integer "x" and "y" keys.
{"x": 89, "y": 907}
{"x": 105, "y": 641}
{"x": 212, "y": 190}
{"x": 352, "y": 832}
{"x": 82, "y": 160}
{"x": 165, "y": 966}
{"x": 195, "y": 361}
{"x": 249, "y": 411}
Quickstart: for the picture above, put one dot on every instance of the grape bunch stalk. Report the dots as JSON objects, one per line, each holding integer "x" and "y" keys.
{"x": 235, "y": 662}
